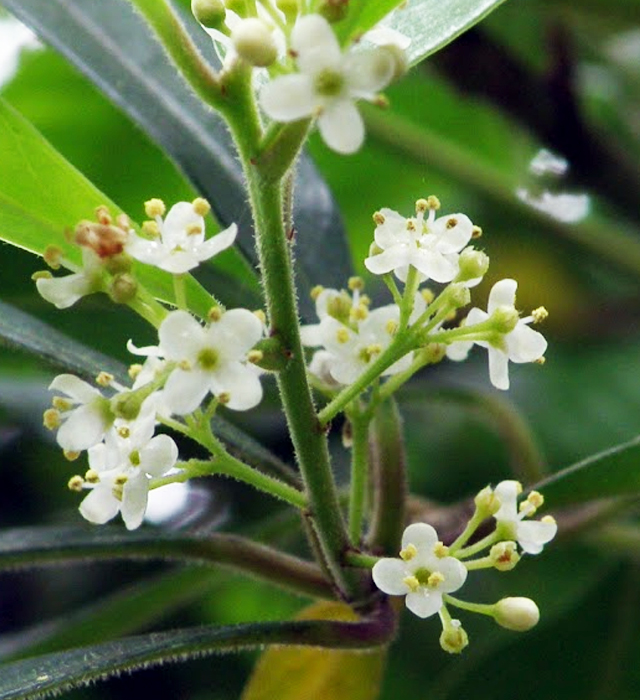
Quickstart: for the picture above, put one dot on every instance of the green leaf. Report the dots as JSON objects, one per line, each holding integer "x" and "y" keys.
{"x": 614, "y": 472}
{"x": 114, "y": 47}
{"x": 361, "y": 17}
{"x": 42, "y": 195}
{"x": 294, "y": 673}
{"x": 54, "y": 673}
{"x": 432, "y": 25}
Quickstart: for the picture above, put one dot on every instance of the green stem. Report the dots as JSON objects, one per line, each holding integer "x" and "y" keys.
{"x": 359, "y": 474}
{"x": 179, "y": 45}
{"x": 145, "y": 305}
{"x": 226, "y": 465}
{"x": 180, "y": 292}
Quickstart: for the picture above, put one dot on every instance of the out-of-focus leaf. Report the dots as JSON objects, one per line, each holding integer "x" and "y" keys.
{"x": 432, "y": 25}
{"x": 42, "y": 195}
{"x": 614, "y": 472}
{"x": 114, "y": 47}
{"x": 55, "y": 673}
{"x": 294, "y": 673}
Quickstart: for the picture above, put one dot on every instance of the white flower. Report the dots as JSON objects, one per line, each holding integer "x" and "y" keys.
{"x": 531, "y": 535}
{"x": 431, "y": 246}
{"x": 211, "y": 359}
{"x": 423, "y": 572}
{"x": 180, "y": 245}
{"x": 63, "y": 292}
{"x": 352, "y": 335}
{"x": 328, "y": 84}
{"x": 522, "y": 344}
{"x": 121, "y": 468}
{"x": 85, "y": 414}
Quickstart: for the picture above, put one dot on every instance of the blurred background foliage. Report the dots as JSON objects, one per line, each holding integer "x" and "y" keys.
{"x": 465, "y": 125}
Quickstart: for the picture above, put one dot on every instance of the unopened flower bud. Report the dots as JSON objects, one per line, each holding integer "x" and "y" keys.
{"x": 518, "y": 614}
{"x": 254, "y": 42}
{"x": 399, "y": 59}
{"x": 487, "y": 502}
{"x": 123, "y": 288}
{"x": 459, "y": 295}
{"x": 210, "y": 13}
{"x": 333, "y": 10}
{"x": 473, "y": 264}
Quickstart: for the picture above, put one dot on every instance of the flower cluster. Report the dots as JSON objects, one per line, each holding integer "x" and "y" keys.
{"x": 427, "y": 571}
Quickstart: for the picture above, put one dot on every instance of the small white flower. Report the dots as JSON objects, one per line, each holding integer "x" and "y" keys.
{"x": 431, "y": 246}
{"x": 328, "y": 84}
{"x": 531, "y": 535}
{"x": 122, "y": 467}
{"x": 211, "y": 359}
{"x": 85, "y": 414}
{"x": 63, "y": 292}
{"x": 423, "y": 572}
{"x": 180, "y": 245}
{"x": 522, "y": 344}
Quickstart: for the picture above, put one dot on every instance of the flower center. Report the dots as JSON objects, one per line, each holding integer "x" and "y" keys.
{"x": 329, "y": 83}
{"x": 208, "y": 359}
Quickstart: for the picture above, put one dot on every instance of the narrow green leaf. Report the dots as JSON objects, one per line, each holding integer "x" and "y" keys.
{"x": 614, "y": 472}
{"x": 54, "y": 673}
{"x": 42, "y": 195}
{"x": 432, "y": 25}
{"x": 114, "y": 47}
{"x": 361, "y": 17}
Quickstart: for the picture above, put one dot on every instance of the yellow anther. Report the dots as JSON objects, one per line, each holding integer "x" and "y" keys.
{"x": 411, "y": 225}
{"x": 427, "y": 295}
{"x": 391, "y": 327}
{"x": 412, "y": 583}
{"x": 92, "y": 477}
{"x": 224, "y": 397}
{"x": 536, "y": 499}
{"x": 134, "y": 370}
{"x": 51, "y": 419}
{"x": 359, "y": 313}
{"x": 504, "y": 556}
{"x": 365, "y": 300}
{"x": 476, "y": 232}
{"x": 342, "y": 335}
{"x": 61, "y": 403}
{"x": 255, "y": 356}
{"x": 378, "y": 218}
{"x": 452, "y": 222}
{"x": 104, "y": 379}
{"x": 374, "y": 349}
{"x": 316, "y": 291}
{"x": 124, "y": 432}
{"x": 435, "y": 579}
{"x": 154, "y": 207}
{"x": 433, "y": 202}
{"x": 548, "y": 519}
{"x": 408, "y": 552}
{"x": 41, "y": 275}
{"x": 185, "y": 365}
{"x": 539, "y": 314}
{"x": 52, "y": 255}
{"x": 103, "y": 215}
{"x": 440, "y": 550}
{"x": 201, "y": 207}
{"x": 121, "y": 480}
{"x": 422, "y": 205}
{"x": 261, "y": 316}
{"x": 215, "y": 314}
{"x": 151, "y": 228}
{"x": 540, "y": 360}
{"x": 75, "y": 483}
{"x": 71, "y": 455}
{"x": 356, "y": 283}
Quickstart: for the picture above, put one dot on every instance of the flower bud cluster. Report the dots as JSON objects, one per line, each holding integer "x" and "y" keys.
{"x": 427, "y": 572}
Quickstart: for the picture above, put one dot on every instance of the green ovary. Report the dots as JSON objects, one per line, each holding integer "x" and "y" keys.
{"x": 329, "y": 83}
{"x": 208, "y": 359}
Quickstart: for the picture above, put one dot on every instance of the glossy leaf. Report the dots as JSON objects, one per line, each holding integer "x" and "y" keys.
{"x": 113, "y": 46}
{"x": 42, "y": 195}
{"x": 432, "y": 25}
{"x": 54, "y": 673}
{"x": 614, "y": 472}
{"x": 295, "y": 673}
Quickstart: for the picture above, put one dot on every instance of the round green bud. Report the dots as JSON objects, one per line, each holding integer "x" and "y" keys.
{"x": 254, "y": 42}
{"x": 473, "y": 264}
{"x": 210, "y": 13}
{"x": 123, "y": 288}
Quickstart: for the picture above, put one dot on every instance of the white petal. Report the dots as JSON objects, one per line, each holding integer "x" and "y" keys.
{"x": 181, "y": 217}
{"x": 100, "y": 505}
{"x": 181, "y": 336}
{"x": 393, "y": 230}
{"x": 503, "y": 293}
{"x": 459, "y": 350}
{"x": 434, "y": 265}
{"x": 74, "y": 387}
{"x": 84, "y": 428}
{"x": 241, "y": 383}
{"x": 235, "y": 333}
{"x": 289, "y": 98}
{"x": 369, "y": 71}
{"x": 151, "y": 252}
{"x": 420, "y": 535}
{"x": 507, "y": 492}
{"x": 499, "y": 368}
{"x": 341, "y": 126}
{"x": 134, "y": 501}
{"x": 392, "y": 258}
{"x": 178, "y": 261}
{"x": 63, "y": 292}
{"x": 454, "y": 572}
{"x": 310, "y": 335}
{"x": 423, "y": 602}
{"x": 315, "y": 44}
{"x": 524, "y": 344}
{"x": 454, "y": 232}
{"x": 221, "y": 241}
{"x": 388, "y": 575}
{"x": 159, "y": 455}
{"x": 184, "y": 390}
{"x": 534, "y": 534}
